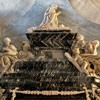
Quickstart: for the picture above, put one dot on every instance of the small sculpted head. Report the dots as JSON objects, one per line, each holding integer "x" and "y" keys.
{"x": 95, "y": 43}
{"x": 80, "y": 37}
{"x": 7, "y": 41}
{"x": 76, "y": 51}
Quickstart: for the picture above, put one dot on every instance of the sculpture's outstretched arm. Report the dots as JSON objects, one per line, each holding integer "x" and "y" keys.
{"x": 73, "y": 61}
{"x": 87, "y": 54}
{"x": 58, "y": 13}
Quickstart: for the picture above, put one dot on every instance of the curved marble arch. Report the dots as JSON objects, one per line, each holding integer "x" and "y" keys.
{"x": 10, "y": 10}
{"x": 90, "y": 9}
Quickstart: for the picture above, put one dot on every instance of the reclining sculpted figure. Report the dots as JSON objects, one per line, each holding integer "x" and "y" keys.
{"x": 82, "y": 65}
{"x": 91, "y": 48}
{"x": 86, "y": 48}
{"x": 88, "y": 51}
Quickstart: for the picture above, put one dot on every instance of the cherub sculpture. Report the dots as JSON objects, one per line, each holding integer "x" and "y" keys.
{"x": 9, "y": 52}
{"x": 9, "y": 55}
{"x": 25, "y": 53}
{"x": 86, "y": 48}
{"x": 78, "y": 61}
{"x": 9, "y": 49}
{"x": 91, "y": 48}
{"x": 80, "y": 42}
{"x": 83, "y": 55}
